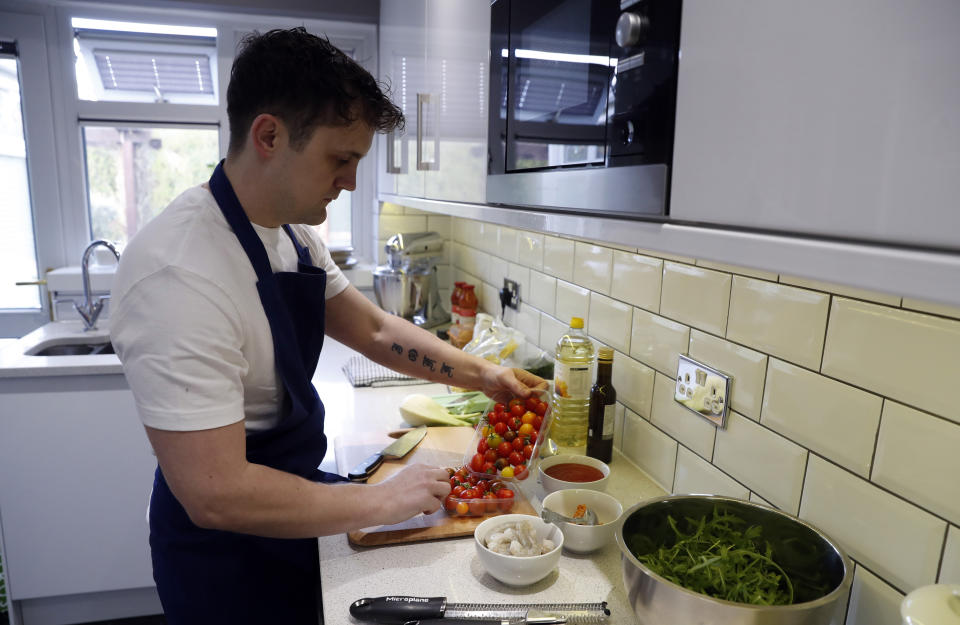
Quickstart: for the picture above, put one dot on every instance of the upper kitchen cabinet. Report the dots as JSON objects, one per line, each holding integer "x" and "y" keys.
{"x": 833, "y": 119}
{"x": 434, "y": 53}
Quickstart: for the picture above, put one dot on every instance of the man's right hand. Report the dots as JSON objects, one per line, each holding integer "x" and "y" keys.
{"x": 414, "y": 489}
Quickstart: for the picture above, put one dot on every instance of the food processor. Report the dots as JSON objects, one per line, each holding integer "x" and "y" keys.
{"x": 407, "y": 285}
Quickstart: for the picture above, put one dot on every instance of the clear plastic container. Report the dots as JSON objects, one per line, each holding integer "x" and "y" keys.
{"x": 573, "y": 372}
{"x": 467, "y": 505}
{"x": 489, "y": 434}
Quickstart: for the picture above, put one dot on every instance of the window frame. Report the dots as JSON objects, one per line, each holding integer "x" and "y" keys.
{"x": 74, "y": 112}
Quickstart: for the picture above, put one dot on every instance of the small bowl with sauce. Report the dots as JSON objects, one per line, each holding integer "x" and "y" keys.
{"x": 572, "y": 471}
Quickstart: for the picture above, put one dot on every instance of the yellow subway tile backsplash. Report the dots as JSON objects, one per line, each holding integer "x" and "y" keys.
{"x": 910, "y": 357}
{"x": 743, "y": 271}
{"x": 591, "y": 267}
{"x": 695, "y": 432}
{"x": 695, "y": 296}
{"x": 610, "y": 321}
{"x": 650, "y": 449}
{"x": 779, "y": 320}
{"x": 636, "y": 280}
{"x": 558, "y": 255}
{"x": 917, "y": 458}
{"x": 633, "y": 381}
{"x": 828, "y": 417}
{"x": 658, "y": 341}
{"x": 746, "y": 367}
{"x": 932, "y": 307}
{"x": 572, "y": 301}
{"x": 530, "y": 249}
{"x": 838, "y": 289}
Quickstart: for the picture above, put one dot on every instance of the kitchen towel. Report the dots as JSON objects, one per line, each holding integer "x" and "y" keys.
{"x": 361, "y": 371}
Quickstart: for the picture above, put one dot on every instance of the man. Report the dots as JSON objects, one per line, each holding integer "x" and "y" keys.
{"x": 220, "y": 309}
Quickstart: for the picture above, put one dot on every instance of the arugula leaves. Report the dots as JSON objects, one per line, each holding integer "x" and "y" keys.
{"x": 720, "y": 557}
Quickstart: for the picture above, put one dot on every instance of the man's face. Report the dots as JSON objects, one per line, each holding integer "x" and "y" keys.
{"x": 316, "y": 174}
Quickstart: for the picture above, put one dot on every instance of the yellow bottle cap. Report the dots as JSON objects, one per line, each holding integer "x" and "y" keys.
{"x": 576, "y": 323}
{"x": 605, "y": 353}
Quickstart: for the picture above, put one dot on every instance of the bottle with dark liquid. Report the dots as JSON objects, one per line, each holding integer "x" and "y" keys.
{"x": 603, "y": 401}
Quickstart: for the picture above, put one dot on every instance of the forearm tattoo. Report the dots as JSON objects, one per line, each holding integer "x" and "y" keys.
{"x": 429, "y": 363}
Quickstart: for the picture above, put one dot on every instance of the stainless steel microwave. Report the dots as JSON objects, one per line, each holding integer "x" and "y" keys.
{"x": 582, "y": 104}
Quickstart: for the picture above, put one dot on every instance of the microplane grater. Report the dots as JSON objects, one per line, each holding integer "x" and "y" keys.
{"x": 398, "y": 609}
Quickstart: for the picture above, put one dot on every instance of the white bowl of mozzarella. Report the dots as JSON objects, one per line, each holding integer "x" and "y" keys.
{"x": 518, "y": 549}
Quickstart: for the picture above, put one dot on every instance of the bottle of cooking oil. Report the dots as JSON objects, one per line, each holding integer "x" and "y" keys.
{"x": 572, "y": 378}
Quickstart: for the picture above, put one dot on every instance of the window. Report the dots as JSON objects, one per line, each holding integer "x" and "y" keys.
{"x": 18, "y": 254}
{"x": 134, "y": 172}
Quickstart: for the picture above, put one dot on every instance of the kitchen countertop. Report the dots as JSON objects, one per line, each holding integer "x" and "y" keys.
{"x": 14, "y": 363}
{"x": 449, "y": 567}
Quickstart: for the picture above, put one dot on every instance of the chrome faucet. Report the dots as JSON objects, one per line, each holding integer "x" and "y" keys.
{"x": 89, "y": 310}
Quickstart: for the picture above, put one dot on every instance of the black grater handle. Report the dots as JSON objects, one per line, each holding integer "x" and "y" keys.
{"x": 397, "y": 610}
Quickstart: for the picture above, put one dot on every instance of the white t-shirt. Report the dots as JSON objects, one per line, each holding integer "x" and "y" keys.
{"x": 187, "y": 322}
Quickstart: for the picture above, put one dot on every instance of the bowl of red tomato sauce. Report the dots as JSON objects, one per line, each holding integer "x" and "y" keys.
{"x": 572, "y": 471}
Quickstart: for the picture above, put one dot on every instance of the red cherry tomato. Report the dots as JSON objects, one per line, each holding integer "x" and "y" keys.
{"x": 505, "y": 495}
{"x": 500, "y": 428}
{"x": 499, "y": 407}
{"x": 527, "y": 451}
{"x": 515, "y": 424}
{"x": 531, "y": 403}
{"x": 516, "y": 401}
{"x": 449, "y": 504}
{"x": 516, "y": 458}
{"x": 470, "y": 493}
{"x": 482, "y": 446}
{"x": 494, "y": 418}
{"x": 541, "y": 408}
{"x": 520, "y": 472}
{"x": 517, "y": 444}
{"x": 516, "y": 410}
{"x": 504, "y": 449}
{"x": 476, "y": 463}
{"x": 537, "y": 422}
{"x": 488, "y": 456}
{"x": 457, "y": 490}
{"x": 489, "y": 468}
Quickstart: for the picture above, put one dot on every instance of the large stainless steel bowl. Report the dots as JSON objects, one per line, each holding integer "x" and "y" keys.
{"x": 807, "y": 555}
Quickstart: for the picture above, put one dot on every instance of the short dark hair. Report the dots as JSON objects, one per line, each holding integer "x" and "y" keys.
{"x": 306, "y": 82}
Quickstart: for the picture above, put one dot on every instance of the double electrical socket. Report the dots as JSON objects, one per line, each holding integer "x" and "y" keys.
{"x": 510, "y": 294}
{"x": 703, "y": 390}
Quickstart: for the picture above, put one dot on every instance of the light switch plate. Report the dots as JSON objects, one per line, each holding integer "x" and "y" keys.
{"x": 703, "y": 390}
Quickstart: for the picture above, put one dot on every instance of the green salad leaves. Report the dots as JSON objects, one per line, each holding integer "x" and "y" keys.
{"x": 723, "y": 558}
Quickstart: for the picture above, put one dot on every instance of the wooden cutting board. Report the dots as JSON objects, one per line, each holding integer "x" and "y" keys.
{"x": 442, "y": 446}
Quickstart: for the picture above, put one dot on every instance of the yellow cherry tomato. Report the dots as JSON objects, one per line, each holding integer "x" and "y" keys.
{"x": 506, "y": 472}
{"x": 528, "y": 417}
{"x": 526, "y": 429}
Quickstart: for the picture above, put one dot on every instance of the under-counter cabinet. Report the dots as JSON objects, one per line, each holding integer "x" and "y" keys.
{"x": 434, "y": 57}
{"x": 76, "y": 470}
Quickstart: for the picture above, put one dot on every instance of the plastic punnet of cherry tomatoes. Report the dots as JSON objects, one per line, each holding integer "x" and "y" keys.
{"x": 508, "y": 438}
{"x": 475, "y": 496}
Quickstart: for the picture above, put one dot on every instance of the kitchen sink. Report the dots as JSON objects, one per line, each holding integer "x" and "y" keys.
{"x": 66, "y": 347}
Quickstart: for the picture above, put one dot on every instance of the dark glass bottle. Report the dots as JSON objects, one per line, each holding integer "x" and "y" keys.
{"x": 603, "y": 401}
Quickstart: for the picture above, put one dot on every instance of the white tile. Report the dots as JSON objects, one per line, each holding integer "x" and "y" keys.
{"x": 846, "y": 291}
{"x": 907, "y": 356}
{"x": 550, "y": 332}
{"x": 696, "y": 476}
{"x": 610, "y": 321}
{"x": 658, "y": 341}
{"x": 893, "y": 538}
{"x": 762, "y": 460}
{"x": 760, "y": 500}
{"x": 695, "y": 296}
{"x": 689, "y": 260}
{"x": 439, "y": 224}
{"x": 747, "y": 367}
{"x": 507, "y": 244}
{"x": 591, "y": 266}
{"x": 497, "y": 270}
{"x": 693, "y": 431}
{"x": 393, "y": 224}
{"x": 488, "y": 238}
{"x": 932, "y": 307}
{"x": 618, "y": 419}
{"x": 633, "y": 382}
{"x": 950, "y": 569}
{"x": 489, "y": 299}
{"x": 572, "y": 301}
{"x": 782, "y": 321}
{"x": 520, "y": 275}
{"x": 527, "y": 320}
{"x": 743, "y": 271}
{"x": 917, "y": 457}
{"x": 829, "y": 417}
{"x": 468, "y": 232}
{"x": 542, "y": 292}
{"x": 530, "y": 249}
{"x": 650, "y": 449}
{"x": 636, "y": 280}
{"x": 873, "y": 601}
{"x": 558, "y": 257}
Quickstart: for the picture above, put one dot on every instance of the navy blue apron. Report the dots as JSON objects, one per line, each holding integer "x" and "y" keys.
{"x": 210, "y": 576}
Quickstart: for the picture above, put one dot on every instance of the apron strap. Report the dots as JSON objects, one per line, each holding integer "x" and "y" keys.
{"x": 303, "y": 253}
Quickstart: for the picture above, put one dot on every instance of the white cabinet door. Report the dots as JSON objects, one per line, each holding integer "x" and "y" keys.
{"x": 836, "y": 119}
{"x": 458, "y": 41}
{"x": 403, "y": 70}
{"x": 76, "y": 471}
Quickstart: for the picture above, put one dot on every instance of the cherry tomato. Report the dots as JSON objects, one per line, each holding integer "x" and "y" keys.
{"x": 527, "y": 451}
{"x": 517, "y": 444}
{"x": 506, "y": 472}
{"x": 494, "y": 418}
{"x": 457, "y": 490}
{"x": 533, "y": 437}
{"x": 499, "y": 407}
{"x": 488, "y": 456}
{"x": 515, "y": 423}
{"x": 449, "y": 504}
{"x": 516, "y": 410}
{"x": 476, "y": 463}
{"x": 504, "y": 449}
{"x": 482, "y": 446}
{"x": 541, "y": 408}
{"x": 537, "y": 422}
{"x": 531, "y": 403}
{"x": 489, "y": 468}
{"x": 509, "y": 436}
{"x": 500, "y": 428}
{"x": 501, "y": 463}
{"x": 516, "y": 458}
{"x": 520, "y": 471}
{"x": 528, "y": 417}
{"x": 463, "y": 509}
{"x": 516, "y": 401}
{"x": 494, "y": 440}
{"x": 462, "y": 473}
{"x": 505, "y": 497}
{"x": 482, "y": 486}
{"x": 526, "y": 429}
